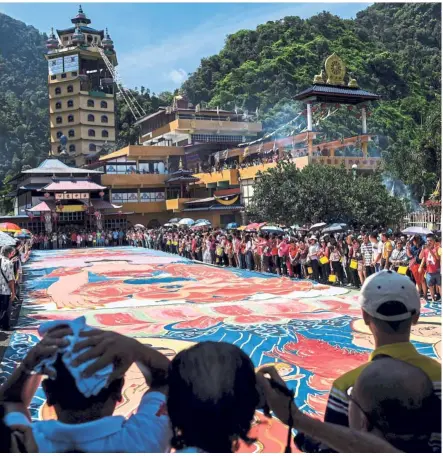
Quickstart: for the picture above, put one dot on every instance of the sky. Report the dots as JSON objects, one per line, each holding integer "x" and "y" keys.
{"x": 159, "y": 44}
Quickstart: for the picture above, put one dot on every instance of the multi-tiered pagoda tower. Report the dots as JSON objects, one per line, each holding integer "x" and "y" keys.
{"x": 81, "y": 90}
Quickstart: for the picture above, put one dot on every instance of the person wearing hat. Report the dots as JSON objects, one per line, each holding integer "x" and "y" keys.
{"x": 390, "y": 305}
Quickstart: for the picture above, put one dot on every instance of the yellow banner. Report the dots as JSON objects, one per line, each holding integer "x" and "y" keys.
{"x": 229, "y": 202}
{"x": 72, "y": 208}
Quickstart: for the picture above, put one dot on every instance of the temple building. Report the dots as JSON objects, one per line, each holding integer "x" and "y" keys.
{"x": 81, "y": 90}
{"x": 55, "y": 195}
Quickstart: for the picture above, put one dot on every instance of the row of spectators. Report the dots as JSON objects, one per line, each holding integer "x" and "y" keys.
{"x": 346, "y": 260}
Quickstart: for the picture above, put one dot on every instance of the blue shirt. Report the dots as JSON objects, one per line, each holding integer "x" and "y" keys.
{"x": 147, "y": 431}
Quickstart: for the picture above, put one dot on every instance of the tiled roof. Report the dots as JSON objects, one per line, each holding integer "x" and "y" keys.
{"x": 54, "y": 166}
{"x": 319, "y": 89}
{"x": 215, "y": 208}
{"x": 44, "y": 206}
{"x": 72, "y": 185}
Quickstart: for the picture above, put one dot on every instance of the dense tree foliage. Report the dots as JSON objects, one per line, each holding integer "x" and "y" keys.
{"x": 24, "y": 132}
{"x": 127, "y": 132}
{"x": 321, "y": 193}
{"x": 390, "y": 48}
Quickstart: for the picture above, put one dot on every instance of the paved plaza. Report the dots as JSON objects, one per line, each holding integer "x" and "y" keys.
{"x": 312, "y": 333}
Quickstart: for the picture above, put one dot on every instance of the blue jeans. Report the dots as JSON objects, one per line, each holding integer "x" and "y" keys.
{"x": 250, "y": 260}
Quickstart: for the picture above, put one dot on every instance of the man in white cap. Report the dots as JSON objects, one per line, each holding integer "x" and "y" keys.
{"x": 390, "y": 306}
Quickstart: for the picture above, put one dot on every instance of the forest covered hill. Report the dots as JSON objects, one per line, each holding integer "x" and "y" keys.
{"x": 391, "y": 49}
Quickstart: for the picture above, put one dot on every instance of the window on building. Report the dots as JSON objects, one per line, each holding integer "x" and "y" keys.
{"x": 104, "y": 119}
{"x": 89, "y": 38}
{"x": 70, "y": 103}
{"x": 112, "y": 224}
{"x": 59, "y": 120}
{"x": 91, "y": 118}
{"x": 63, "y": 75}
{"x": 127, "y": 196}
{"x": 53, "y": 77}
{"x": 91, "y": 132}
{"x": 105, "y": 134}
{"x": 74, "y": 73}
{"x": 71, "y": 147}
{"x": 59, "y": 149}
{"x": 58, "y": 105}
{"x": 58, "y": 90}
{"x": 71, "y": 133}
{"x": 70, "y": 89}
{"x": 65, "y": 38}
{"x": 90, "y": 103}
{"x": 70, "y": 118}
{"x": 103, "y": 104}
{"x": 216, "y": 138}
{"x": 92, "y": 147}
{"x": 59, "y": 134}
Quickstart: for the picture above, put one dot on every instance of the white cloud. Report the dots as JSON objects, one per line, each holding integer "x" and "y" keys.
{"x": 148, "y": 65}
{"x": 178, "y": 76}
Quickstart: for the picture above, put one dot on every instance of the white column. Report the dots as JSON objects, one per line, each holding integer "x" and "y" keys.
{"x": 364, "y": 129}
{"x": 309, "y": 115}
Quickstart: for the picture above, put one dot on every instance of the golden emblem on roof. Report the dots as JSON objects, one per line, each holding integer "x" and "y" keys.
{"x": 334, "y": 73}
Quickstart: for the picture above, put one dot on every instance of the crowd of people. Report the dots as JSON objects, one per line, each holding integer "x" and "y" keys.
{"x": 343, "y": 259}
{"x": 205, "y": 399}
{"x": 11, "y": 260}
{"x": 78, "y": 238}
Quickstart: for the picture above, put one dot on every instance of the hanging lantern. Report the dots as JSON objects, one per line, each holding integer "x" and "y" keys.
{"x": 85, "y": 207}
{"x": 338, "y": 105}
{"x": 350, "y": 108}
{"x": 54, "y": 216}
{"x": 42, "y": 218}
{"x": 61, "y": 207}
{"x": 102, "y": 194}
{"x": 46, "y": 195}
{"x": 368, "y": 114}
{"x": 323, "y": 106}
{"x": 31, "y": 216}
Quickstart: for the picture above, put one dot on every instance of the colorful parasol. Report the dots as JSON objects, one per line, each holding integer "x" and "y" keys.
{"x": 10, "y": 227}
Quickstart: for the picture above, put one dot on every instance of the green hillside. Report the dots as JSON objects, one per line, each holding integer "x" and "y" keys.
{"x": 391, "y": 49}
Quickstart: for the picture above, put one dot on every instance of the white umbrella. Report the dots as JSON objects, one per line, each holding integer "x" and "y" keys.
{"x": 202, "y": 223}
{"x": 139, "y": 225}
{"x": 416, "y": 230}
{"x": 317, "y": 225}
{"x": 5, "y": 239}
{"x": 335, "y": 228}
{"x": 186, "y": 221}
{"x": 174, "y": 220}
{"x": 203, "y": 220}
{"x": 168, "y": 225}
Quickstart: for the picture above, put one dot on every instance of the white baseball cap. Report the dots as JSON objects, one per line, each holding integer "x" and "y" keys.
{"x": 312, "y": 238}
{"x": 385, "y": 286}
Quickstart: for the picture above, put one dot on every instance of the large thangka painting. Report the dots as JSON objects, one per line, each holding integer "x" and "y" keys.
{"x": 311, "y": 333}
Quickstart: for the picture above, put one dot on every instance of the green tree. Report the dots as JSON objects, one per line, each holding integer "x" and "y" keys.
{"x": 320, "y": 193}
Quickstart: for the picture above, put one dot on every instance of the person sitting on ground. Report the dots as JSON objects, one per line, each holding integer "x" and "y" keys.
{"x": 214, "y": 383}
{"x": 86, "y": 424}
{"x": 390, "y": 306}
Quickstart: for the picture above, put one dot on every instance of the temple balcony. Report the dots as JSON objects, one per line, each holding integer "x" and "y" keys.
{"x": 224, "y": 178}
{"x": 177, "y": 204}
{"x": 133, "y": 180}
